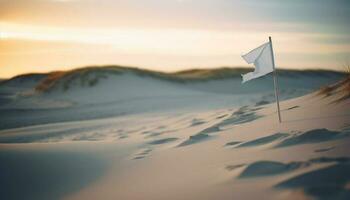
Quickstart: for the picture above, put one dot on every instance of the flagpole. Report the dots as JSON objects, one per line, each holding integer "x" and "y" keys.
{"x": 275, "y": 81}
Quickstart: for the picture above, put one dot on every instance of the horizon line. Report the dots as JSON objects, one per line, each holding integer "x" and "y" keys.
{"x": 171, "y": 72}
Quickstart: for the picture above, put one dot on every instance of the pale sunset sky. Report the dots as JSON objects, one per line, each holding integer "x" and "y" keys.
{"x": 170, "y": 35}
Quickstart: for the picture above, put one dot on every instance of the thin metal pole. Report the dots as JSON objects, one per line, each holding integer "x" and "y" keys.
{"x": 275, "y": 82}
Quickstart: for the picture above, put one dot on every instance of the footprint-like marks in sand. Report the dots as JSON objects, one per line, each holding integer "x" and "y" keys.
{"x": 122, "y": 135}
{"x": 154, "y": 134}
{"x": 327, "y": 183}
{"x": 162, "y": 141}
{"x": 146, "y": 151}
{"x": 193, "y": 139}
{"x": 233, "y": 167}
{"x": 312, "y": 136}
{"x": 142, "y": 154}
{"x": 293, "y": 107}
{"x": 330, "y": 159}
{"x": 268, "y": 168}
{"x": 264, "y": 140}
{"x": 241, "y": 116}
{"x": 196, "y": 122}
{"x": 211, "y": 129}
{"x": 286, "y": 140}
{"x": 233, "y": 143}
{"x": 201, "y": 136}
{"x": 221, "y": 116}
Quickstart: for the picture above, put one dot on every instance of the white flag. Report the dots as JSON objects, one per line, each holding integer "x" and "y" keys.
{"x": 262, "y": 59}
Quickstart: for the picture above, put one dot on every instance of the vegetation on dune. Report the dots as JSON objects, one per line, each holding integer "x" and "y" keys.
{"x": 49, "y": 80}
{"x": 326, "y": 90}
{"x": 88, "y": 76}
{"x": 347, "y": 88}
{"x": 24, "y": 77}
{"x": 91, "y": 76}
{"x": 346, "y": 83}
{"x": 342, "y": 87}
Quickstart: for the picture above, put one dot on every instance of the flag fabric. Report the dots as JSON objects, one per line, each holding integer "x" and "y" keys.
{"x": 261, "y": 57}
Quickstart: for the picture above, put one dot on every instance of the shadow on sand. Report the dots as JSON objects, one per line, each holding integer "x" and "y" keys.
{"x": 312, "y": 136}
{"x": 327, "y": 183}
{"x": 193, "y": 139}
{"x": 268, "y": 168}
{"x": 285, "y": 139}
{"x": 36, "y": 175}
{"x": 264, "y": 140}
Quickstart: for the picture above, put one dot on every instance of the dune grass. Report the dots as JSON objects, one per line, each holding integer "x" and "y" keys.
{"x": 49, "y": 81}
{"x": 92, "y": 75}
{"x": 342, "y": 88}
{"x": 23, "y": 78}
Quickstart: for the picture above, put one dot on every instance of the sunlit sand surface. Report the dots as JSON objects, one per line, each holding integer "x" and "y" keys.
{"x": 132, "y": 136}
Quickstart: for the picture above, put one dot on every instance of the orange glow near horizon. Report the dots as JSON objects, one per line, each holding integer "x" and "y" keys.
{"x": 175, "y": 35}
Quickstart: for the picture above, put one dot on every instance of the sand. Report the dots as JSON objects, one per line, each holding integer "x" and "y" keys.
{"x": 183, "y": 144}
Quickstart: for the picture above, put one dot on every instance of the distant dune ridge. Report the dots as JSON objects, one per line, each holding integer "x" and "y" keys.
{"x": 90, "y": 76}
{"x": 116, "y": 90}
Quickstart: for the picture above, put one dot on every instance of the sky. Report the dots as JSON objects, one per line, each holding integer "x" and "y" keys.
{"x": 170, "y": 35}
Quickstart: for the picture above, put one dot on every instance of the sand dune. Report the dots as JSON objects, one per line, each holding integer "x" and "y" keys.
{"x": 113, "y": 91}
{"x": 145, "y": 135}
